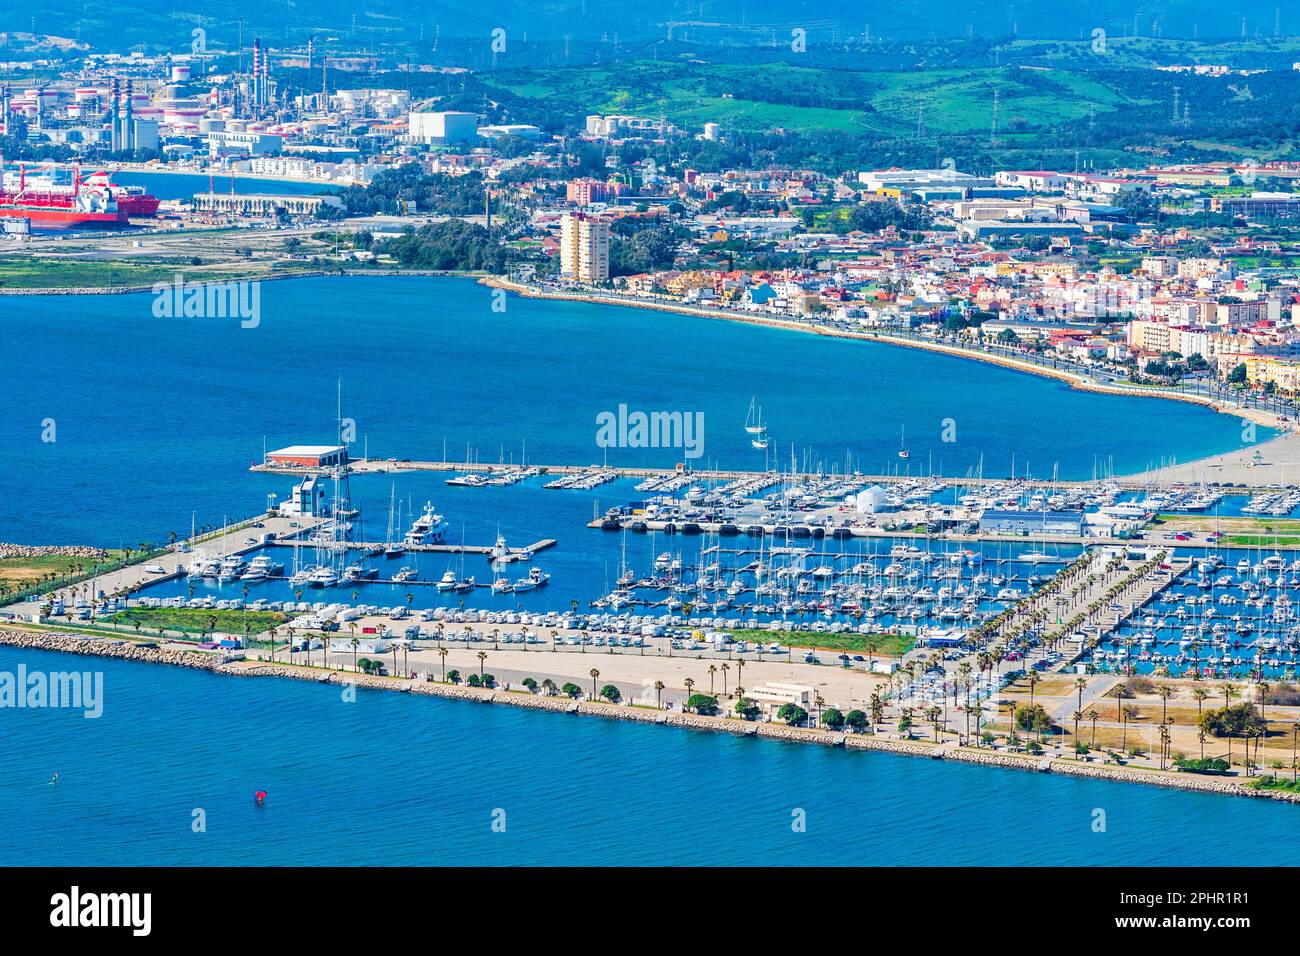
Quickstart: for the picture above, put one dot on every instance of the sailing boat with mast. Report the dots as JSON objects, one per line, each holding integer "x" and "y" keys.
{"x": 756, "y": 428}
{"x": 392, "y": 548}
{"x": 902, "y": 442}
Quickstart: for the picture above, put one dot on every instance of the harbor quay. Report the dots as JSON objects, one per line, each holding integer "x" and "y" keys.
{"x": 1246, "y": 477}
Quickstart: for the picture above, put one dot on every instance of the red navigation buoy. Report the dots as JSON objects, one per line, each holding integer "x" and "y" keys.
{"x": 260, "y": 796}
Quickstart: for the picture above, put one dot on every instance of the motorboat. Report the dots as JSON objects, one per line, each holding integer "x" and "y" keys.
{"x": 429, "y": 528}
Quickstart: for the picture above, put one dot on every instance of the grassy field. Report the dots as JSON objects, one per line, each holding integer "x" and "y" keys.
{"x": 20, "y": 572}
{"x": 768, "y": 95}
{"x": 198, "y": 620}
{"x": 887, "y": 645}
{"x": 32, "y": 272}
{"x": 1243, "y": 530}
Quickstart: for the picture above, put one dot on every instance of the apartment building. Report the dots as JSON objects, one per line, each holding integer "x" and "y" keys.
{"x": 584, "y": 248}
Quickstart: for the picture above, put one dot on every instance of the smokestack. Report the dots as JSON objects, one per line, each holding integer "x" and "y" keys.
{"x": 254, "y": 91}
{"x": 128, "y": 121}
{"x": 115, "y": 118}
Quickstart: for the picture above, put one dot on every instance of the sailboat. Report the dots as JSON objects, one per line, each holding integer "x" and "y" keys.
{"x": 754, "y": 424}
{"x": 902, "y": 447}
{"x": 757, "y": 429}
{"x": 393, "y": 549}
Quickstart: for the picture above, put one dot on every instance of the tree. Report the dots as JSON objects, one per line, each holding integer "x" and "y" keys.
{"x": 856, "y": 720}
{"x": 1034, "y": 719}
{"x": 747, "y": 709}
{"x": 832, "y": 718}
{"x": 1234, "y": 720}
{"x": 593, "y": 673}
{"x": 453, "y": 677}
{"x": 702, "y": 704}
{"x": 611, "y": 693}
{"x": 571, "y": 689}
{"x": 792, "y": 714}
{"x": 530, "y": 683}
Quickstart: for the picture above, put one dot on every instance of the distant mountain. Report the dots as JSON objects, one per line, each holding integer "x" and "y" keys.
{"x": 419, "y": 26}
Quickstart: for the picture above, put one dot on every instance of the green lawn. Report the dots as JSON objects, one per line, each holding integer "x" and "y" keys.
{"x": 805, "y": 99}
{"x": 1260, "y": 540}
{"x": 197, "y": 620}
{"x": 887, "y": 645}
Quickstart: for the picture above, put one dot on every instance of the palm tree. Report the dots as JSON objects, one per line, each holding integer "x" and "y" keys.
{"x": 659, "y": 691}
{"x": 1076, "y": 717}
{"x": 1033, "y": 682}
{"x": 1295, "y": 738}
{"x": 1230, "y": 691}
{"x": 1094, "y": 717}
{"x": 1080, "y": 683}
{"x": 1199, "y": 694}
{"x": 594, "y": 674}
{"x": 442, "y": 652}
{"x": 1165, "y": 692}
{"x": 689, "y": 684}
{"x": 355, "y": 645}
{"x": 725, "y": 667}
{"x": 1262, "y": 690}
{"x": 482, "y": 657}
{"x": 713, "y": 669}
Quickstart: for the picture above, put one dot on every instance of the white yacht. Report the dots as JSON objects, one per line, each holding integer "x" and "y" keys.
{"x": 261, "y": 568}
{"x": 204, "y": 567}
{"x": 323, "y": 577}
{"x": 406, "y": 574}
{"x": 536, "y": 578}
{"x": 429, "y": 528}
{"x": 447, "y": 581}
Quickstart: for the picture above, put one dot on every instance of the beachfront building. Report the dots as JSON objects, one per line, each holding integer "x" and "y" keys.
{"x": 584, "y": 248}
{"x": 1282, "y": 373}
{"x": 773, "y": 695}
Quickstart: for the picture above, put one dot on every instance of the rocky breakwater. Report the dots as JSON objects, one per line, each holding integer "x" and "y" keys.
{"x": 216, "y": 663}
{"x": 49, "y": 551}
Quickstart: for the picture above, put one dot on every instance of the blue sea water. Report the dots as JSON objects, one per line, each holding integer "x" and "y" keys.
{"x": 185, "y": 185}
{"x": 394, "y": 779}
{"x": 158, "y": 419}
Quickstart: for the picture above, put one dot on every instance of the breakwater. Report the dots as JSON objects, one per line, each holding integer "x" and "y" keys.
{"x": 214, "y": 663}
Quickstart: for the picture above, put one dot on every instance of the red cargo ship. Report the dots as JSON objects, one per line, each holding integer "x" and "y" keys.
{"x": 80, "y": 204}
